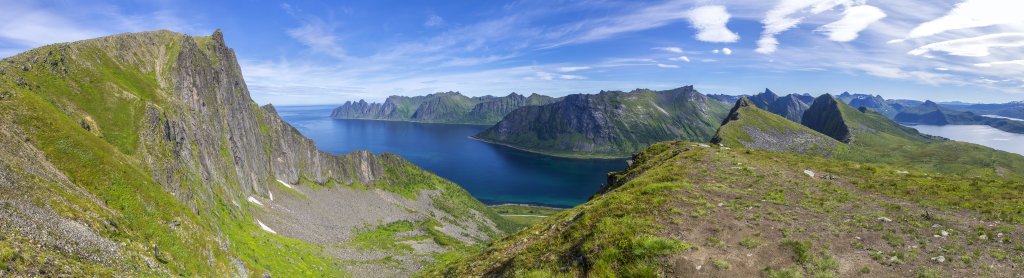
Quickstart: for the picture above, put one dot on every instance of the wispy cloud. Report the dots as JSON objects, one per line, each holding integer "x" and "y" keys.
{"x": 680, "y": 58}
{"x": 667, "y": 66}
{"x": 855, "y": 19}
{"x": 669, "y": 49}
{"x": 972, "y": 47}
{"x": 709, "y": 21}
{"x": 434, "y": 21}
{"x": 572, "y": 69}
{"x": 972, "y": 14}
{"x": 319, "y": 36}
{"x": 786, "y": 15}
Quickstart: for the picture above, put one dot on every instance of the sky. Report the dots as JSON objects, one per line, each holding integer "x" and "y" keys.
{"x": 329, "y": 52}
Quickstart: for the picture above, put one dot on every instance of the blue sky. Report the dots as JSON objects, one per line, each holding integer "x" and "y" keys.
{"x": 326, "y": 52}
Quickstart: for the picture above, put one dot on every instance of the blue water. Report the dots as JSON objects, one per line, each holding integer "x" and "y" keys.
{"x": 979, "y": 134}
{"x": 491, "y": 173}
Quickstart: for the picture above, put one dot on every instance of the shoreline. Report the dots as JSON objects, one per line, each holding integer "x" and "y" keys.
{"x": 407, "y": 121}
{"x": 547, "y": 153}
{"x": 528, "y": 205}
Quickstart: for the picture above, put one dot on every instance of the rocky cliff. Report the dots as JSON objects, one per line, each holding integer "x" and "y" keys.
{"x": 609, "y": 124}
{"x": 448, "y": 107}
{"x": 146, "y": 154}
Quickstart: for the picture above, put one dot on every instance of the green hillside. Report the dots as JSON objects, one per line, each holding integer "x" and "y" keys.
{"x": 683, "y": 209}
{"x": 750, "y": 127}
{"x": 142, "y": 155}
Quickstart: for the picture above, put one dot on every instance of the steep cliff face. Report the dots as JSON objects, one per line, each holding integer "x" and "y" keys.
{"x": 448, "y": 107}
{"x": 148, "y": 155}
{"x": 826, "y": 117}
{"x": 609, "y": 124}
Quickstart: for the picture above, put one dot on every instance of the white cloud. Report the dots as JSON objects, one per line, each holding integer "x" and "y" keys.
{"x": 893, "y": 72}
{"x": 788, "y": 14}
{"x": 669, "y": 49}
{"x": 318, "y": 35}
{"x": 572, "y": 69}
{"x": 680, "y": 58}
{"x": 571, "y": 77}
{"x": 716, "y": 51}
{"x": 434, "y": 21}
{"x": 709, "y": 21}
{"x": 1001, "y": 63}
{"x": 644, "y": 18}
{"x": 667, "y": 66}
{"x": 972, "y": 14}
{"x": 972, "y": 47}
{"x": 726, "y": 51}
{"x": 855, "y": 19}
{"x": 545, "y": 76}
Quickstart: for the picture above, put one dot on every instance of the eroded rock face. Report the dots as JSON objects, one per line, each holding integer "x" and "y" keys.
{"x": 144, "y": 152}
{"x": 216, "y": 134}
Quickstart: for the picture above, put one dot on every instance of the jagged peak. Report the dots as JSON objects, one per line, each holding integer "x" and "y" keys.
{"x": 769, "y": 91}
{"x": 743, "y": 102}
{"x": 218, "y": 37}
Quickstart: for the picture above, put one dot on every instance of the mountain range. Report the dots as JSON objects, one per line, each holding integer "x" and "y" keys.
{"x": 142, "y": 154}
{"x": 610, "y": 123}
{"x": 448, "y": 107}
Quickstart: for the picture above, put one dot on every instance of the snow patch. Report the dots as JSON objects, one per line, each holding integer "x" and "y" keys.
{"x": 286, "y": 184}
{"x": 264, "y": 226}
{"x": 254, "y": 201}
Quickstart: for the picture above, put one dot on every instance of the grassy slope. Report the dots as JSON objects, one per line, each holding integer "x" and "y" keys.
{"x": 876, "y": 139}
{"x": 734, "y": 132}
{"x": 750, "y": 213}
{"x": 64, "y": 87}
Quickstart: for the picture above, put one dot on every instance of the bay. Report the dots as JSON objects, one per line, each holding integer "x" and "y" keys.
{"x": 493, "y": 174}
{"x": 979, "y": 134}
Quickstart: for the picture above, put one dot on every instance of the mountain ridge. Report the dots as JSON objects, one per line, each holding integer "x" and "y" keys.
{"x": 148, "y": 150}
{"x": 610, "y": 124}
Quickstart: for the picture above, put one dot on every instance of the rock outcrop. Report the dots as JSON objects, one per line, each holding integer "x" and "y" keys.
{"x": 825, "y": 116}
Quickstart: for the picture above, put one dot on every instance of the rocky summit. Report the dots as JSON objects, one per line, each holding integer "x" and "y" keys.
{"x": 142, "y": 154}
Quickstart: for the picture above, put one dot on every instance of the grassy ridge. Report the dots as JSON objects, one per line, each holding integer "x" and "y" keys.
{"x": 752, "y": 213}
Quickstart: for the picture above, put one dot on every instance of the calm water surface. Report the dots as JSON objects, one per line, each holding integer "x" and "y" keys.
{"x": 978, "y": 134}
{"x": 494, "y": 174}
